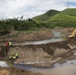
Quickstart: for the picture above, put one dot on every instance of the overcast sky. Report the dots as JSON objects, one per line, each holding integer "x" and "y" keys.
{"x": 31, "y": 8}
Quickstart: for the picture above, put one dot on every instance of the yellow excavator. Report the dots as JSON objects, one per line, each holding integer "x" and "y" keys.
{"x": 73, "y": 34}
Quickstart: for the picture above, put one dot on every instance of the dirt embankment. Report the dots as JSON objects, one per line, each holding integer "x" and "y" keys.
{"x": 33, "y": 36}
{"x": 16, "y": 71}
{"x": 44, "y": 55}
{"x": 29, "y": 36}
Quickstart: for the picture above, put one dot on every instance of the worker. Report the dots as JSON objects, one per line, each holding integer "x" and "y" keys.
{"x": 14, "y": 56}
{"x": 5, "y": 48}
{"x": 8, "y": 43}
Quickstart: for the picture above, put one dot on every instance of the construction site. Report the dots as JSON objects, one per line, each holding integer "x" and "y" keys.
{"x": 43, "y": 55}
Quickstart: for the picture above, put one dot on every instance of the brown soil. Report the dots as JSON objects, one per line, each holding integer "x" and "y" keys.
{"x": 34, "y": 36}
{"x": 30, "y": 36}
{"x": 41, "y": 35}
{"x": 47, "y": 53}
{"x": 16, "y": 71}
{"x": 53, "y": 52}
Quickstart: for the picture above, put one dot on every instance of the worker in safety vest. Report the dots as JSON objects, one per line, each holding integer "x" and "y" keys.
{"x": 6, "y": 47}
{"x": 14, "y": 56}
{"x": 9, "y": 43}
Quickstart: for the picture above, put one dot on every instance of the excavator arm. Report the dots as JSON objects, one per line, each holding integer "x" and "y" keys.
{"x": 73, "y": 34}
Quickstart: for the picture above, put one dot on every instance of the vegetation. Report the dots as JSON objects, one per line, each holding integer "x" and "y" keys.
{"x": 65, "y": 18}
{"x": 50, "y": 19}
{"x": 45, "y": 16}
{"x": 15, "y": 24}
{"x": 70, "y": 11}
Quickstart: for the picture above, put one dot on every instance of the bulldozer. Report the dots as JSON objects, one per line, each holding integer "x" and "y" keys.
{"x": 73, "y": 34}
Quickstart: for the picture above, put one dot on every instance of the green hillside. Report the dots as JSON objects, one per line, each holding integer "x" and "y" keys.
{"x": 45, "y": 16}
{"x": 70, "y": 11}
{"x": 67, "y": 18}
{"x": 62, "y": 17}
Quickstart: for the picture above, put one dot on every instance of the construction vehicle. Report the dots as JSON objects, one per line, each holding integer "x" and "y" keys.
{"x": 73, "y": 34}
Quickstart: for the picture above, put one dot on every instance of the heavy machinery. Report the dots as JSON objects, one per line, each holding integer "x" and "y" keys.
{"x": 73, "y": 34}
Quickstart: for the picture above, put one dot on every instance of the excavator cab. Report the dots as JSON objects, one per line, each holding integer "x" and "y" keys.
{"x": 73, "y": 34}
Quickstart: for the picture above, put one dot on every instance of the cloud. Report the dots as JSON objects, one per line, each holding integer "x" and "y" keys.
{"x": 30, "y": 8}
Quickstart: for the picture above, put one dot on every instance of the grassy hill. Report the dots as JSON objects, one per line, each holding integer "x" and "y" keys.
{"x": 67, "y": 18}
{"x": 45, "y": 16}
{"x": 70, "y": 11}
{"x": 54, "y": 18}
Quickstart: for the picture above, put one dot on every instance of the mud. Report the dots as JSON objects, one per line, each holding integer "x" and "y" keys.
{"x": 16, "y": 71}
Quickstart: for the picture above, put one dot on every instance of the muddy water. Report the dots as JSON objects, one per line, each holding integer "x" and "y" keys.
{"x": 57, "y": 37}
{"x": 66, "y": 68}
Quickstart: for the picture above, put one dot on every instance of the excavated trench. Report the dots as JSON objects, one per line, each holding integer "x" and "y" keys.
{"x": 44, "y": 55}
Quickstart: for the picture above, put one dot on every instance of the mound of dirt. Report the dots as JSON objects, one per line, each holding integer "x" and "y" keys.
{"x": 33, "y": 36}
{"x": 16, "y": 71}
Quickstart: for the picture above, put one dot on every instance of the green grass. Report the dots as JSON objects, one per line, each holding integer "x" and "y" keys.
{"x": 70, "y": 11}
{"x": 45, "y": 16}
{"x": 66, "y": 18}
{"x": 62, "y": 17}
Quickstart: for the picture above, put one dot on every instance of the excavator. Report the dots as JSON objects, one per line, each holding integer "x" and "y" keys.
{"x": 73, "y": 34}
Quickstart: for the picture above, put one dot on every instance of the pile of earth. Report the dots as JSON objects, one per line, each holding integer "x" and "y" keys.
{"x": 34, "y": 36}
{"x": 16, "y": 71}
{"x": 29, "y": 36}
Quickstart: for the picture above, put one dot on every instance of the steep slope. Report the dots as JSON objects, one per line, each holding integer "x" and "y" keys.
{"x": 45, "y": 16}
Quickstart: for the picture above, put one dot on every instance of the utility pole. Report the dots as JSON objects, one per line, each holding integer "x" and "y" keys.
{"x": 68, "y": 4}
